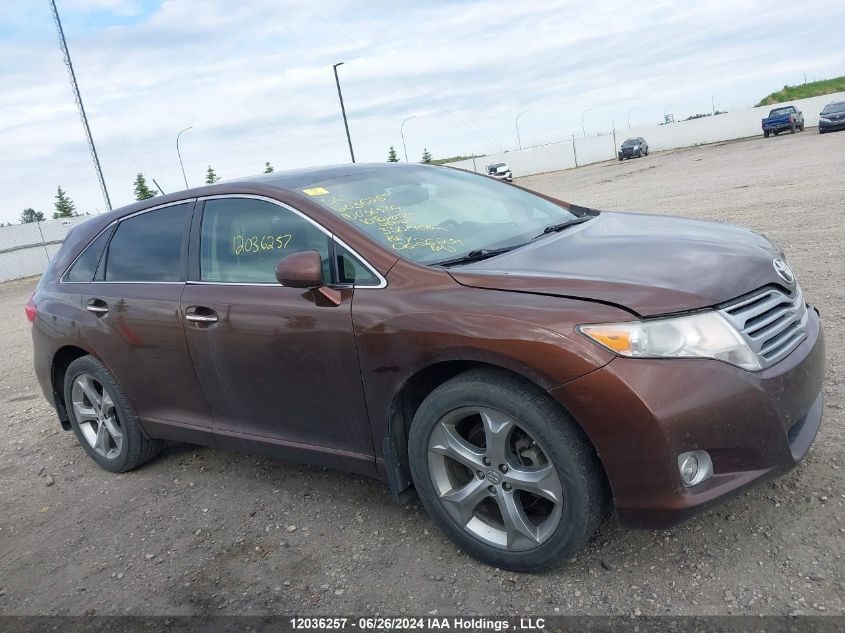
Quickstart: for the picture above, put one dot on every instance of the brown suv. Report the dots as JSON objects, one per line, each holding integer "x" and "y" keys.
{"x": 520, "y": 362}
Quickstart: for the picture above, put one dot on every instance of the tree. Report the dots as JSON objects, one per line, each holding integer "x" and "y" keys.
{"x": 268, "y": 168}
{"x": 210, "y": 176}
{"x": 426, "y": 157}
{"x": 391, "y": 155}
{"x": 64, "y": 205}
{"x": 142, "y": 191}
{"x": 31, "y": 215}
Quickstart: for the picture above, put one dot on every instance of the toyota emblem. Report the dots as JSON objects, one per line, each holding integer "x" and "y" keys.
{"x": 784, "y": 271}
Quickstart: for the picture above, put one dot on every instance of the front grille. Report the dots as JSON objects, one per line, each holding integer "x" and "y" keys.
{"x": 772, "y": 322}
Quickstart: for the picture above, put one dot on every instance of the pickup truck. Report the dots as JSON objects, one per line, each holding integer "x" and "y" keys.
{"x": 783, "y": 119}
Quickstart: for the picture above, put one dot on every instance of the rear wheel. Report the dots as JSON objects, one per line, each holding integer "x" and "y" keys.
{"x": 765, "y": 133}
{"x": 102, "y": 418}
{"x": 504, "y": 472}
{"x": 792, "y": 129}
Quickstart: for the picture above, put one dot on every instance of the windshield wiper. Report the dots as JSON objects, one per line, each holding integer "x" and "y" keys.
{"x": 556, "y": 228}
{"x": 474, "y": 256}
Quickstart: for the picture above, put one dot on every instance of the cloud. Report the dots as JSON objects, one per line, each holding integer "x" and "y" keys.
{"x": 254, "y": 79}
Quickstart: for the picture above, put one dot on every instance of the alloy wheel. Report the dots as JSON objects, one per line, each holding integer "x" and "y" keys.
{"x": 494, "y": 479}
{"x": 95, "y": 413}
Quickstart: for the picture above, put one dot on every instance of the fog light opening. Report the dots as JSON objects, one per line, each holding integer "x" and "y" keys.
{"x": 695, "y": 467}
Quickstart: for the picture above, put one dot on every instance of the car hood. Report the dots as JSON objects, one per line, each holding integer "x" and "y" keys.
{"x": 649, "y": 264}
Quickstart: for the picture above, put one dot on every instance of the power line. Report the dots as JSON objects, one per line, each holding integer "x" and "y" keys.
{"x": 78, "y": 98}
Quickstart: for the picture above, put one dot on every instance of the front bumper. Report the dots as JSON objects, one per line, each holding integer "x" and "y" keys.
{"x": 832, "y": 126}
{"x": 641, "y": 413}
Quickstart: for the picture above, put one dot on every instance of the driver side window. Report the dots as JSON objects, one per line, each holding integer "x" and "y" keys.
{"x": 242, "y": 240}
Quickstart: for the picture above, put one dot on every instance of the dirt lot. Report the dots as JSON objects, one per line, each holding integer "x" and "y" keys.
{"x": 201, "y": 531}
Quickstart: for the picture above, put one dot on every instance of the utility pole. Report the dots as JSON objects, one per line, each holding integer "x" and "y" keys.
{"x": 402, "y": 134}
{"x": 629, "y": 116}
{"x": 179, "y": 154}
{"x": 583, "y": 129}
{"x": 78, "y": 98}
{"x": 518, "y": 139}
{"x": 343, "y": 110}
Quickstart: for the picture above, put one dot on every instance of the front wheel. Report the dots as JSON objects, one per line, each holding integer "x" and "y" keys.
{"x": 505, "y": 472}
{"x": 102, "y": 418}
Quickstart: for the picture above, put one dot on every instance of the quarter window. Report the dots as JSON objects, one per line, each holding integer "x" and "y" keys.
{"x": 85, "y": 266}
{"x": 148, "y": 247}
{"x": 350, "y": 270}
{"x": 242, "y": 240}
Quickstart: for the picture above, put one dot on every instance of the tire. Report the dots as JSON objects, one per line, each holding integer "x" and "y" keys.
{"x": 534, "y": 440}
{"x": 765, "y": 133}
{"x": 821, "y": 131}
{"x": 792, "y": 129}
{"x": 102, "y": 418}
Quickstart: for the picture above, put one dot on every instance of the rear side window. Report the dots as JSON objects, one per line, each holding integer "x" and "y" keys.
{"x": 85, "y": 266}
{"x": 242, "y": 240}
{"x": 148, "y": 247}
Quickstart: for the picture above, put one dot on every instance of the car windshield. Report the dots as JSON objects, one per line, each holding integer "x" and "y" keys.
{"x": 430, "y": 214}
{"x": 631, "y": 142}
{"x": 830, "y": 108}
{"x": 781, "y": 111}
{"x": 495, "y": 166}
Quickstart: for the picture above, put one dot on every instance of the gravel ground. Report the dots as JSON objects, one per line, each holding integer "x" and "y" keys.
{"x": 202, "y": 531}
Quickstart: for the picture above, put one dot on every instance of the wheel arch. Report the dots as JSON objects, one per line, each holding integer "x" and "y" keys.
{"x": 410, "y": 396}
{"x": 62, "y": 359}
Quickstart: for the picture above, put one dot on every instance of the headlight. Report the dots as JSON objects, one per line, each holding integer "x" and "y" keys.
{"x": 825, "y": 119}
{"x": 703, "y": 335}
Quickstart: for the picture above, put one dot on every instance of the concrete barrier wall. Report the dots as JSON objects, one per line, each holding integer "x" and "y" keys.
{"x": 27, "y": 249}
{"x": 594, "y": 149}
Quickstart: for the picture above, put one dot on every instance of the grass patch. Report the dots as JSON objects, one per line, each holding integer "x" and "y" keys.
{"x": 804, "y": 91}
{"x": 452, "y": 159}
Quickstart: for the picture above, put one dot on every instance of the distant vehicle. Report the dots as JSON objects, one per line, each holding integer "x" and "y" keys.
{"x": 633, "y": 147}
{"x": 783, "y": 119}
{"x": 500, "y": 171}
{"x": 832, "y": 118}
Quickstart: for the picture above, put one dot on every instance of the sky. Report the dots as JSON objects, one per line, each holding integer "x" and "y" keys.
{"x": 253, "y": 79}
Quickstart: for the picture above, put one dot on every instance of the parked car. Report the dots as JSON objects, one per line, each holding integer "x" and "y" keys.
{"x": 633, "y": 147}
{"x": 783, "y": 119}
{"x": 832, "y": 118}
{"x": 520, "y": 362}
{"x": 500, "y": 171}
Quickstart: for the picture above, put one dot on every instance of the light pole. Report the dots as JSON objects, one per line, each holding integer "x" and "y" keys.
{"x": 583, "y": 129}
{"x": 519, "y": 140}
{"x": 343, "y": 110}
{"x": 402, "y": 134}
{"x": 179, "y": 154}
{"x": 629, "y": 116}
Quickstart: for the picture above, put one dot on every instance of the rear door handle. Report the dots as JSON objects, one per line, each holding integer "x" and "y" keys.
{"x": 97, "y": 307}
{"x": 200, "y": 314}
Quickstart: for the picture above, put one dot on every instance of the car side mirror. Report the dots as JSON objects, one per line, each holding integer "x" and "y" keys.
{"x": 304, "y": 269}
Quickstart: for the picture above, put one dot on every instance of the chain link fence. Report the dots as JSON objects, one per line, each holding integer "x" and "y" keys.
{"x": 27, "y": 249}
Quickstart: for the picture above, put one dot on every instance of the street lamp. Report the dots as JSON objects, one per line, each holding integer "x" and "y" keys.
{"x": 519, "y": 140}
{"x": 402, "y": 133}
{"x": 629, "y": 116}
{"x": 343, "y": 110}
{"x": 179, "y": 154}
{"x": 583, "y": 129}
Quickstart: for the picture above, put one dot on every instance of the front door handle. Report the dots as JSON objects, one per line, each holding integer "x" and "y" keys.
{"x": 200, "y": 314}
{"x": 97, "y": 307}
